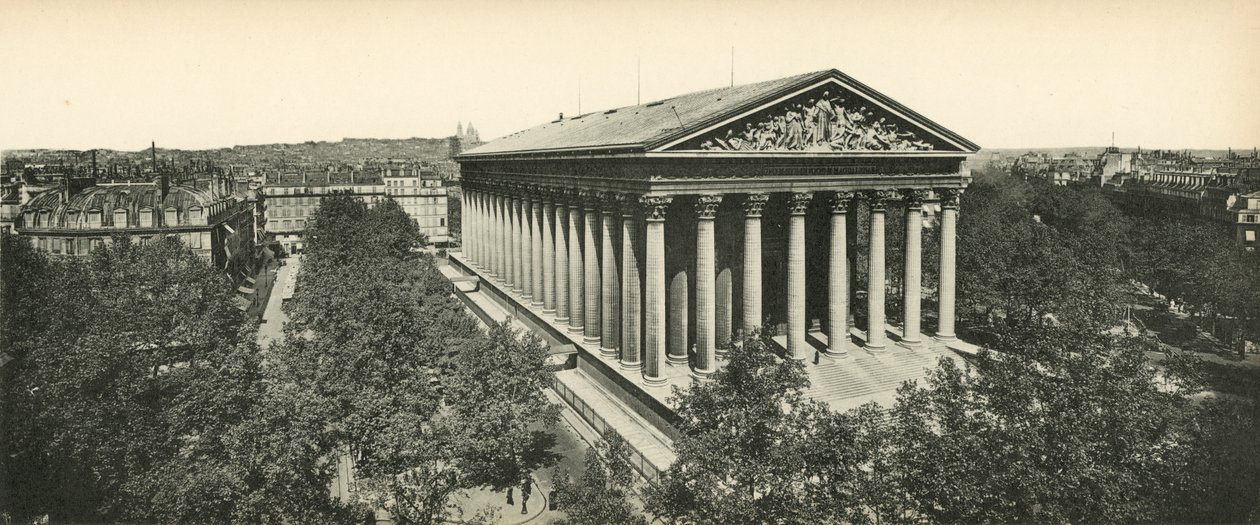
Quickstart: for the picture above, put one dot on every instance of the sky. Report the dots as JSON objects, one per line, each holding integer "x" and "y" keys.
{"x": 1004, "y": 74}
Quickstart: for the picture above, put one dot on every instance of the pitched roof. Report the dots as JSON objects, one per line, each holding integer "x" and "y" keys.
{"x": 646, "y": 126}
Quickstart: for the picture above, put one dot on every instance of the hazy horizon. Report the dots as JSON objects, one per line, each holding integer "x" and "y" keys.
{"x": 1006, "y": 75}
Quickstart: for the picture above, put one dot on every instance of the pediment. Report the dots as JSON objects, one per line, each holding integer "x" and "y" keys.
{"x": 826, "y": 116}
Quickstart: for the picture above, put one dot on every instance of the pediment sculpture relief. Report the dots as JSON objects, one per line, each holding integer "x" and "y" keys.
{"x": 826, "y": 123}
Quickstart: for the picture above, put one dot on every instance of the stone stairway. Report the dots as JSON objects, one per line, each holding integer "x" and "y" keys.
{"x": 862, "y": 377}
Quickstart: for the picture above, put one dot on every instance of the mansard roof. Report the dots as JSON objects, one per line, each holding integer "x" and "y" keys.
{"x": 712, "y": 122}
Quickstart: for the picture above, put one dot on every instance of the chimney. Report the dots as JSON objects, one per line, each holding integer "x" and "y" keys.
{"x": 94, "y": 164}
{"x": 153, "y": 150}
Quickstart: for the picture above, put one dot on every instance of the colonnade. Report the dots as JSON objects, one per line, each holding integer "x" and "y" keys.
{"x": 595, "y": 262}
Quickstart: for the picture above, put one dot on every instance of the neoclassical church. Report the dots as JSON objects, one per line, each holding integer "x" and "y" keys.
{"x": 641, "y": 242}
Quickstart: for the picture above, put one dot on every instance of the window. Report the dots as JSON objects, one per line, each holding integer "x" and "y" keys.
{"x": 72, "y": 220}
{"x": 94, "y": 218}
{"x": 205, "y": 240}
{"x": 120, "y": 218}
{"x": 55, "y": 245}
{"x": 96, "y": 243}
{"x": 146, "y": 217}
{"x": 1250, "y": 218}
{"x": 195, "y": 215}
{"x": 1251, "y": 236}
{"x": 70, "y": 246}
{"x": 172, "y": 217}
{"x": 45, "y": 218}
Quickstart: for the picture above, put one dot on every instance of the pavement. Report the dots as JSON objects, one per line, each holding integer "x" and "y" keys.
{"x": 272, "y": 328}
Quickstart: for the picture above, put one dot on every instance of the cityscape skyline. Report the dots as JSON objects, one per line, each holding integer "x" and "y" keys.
{"x": 119, "y": 74}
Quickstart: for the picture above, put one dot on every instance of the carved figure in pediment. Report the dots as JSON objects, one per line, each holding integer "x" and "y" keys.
{"x": 795, "y": 131}
{"x": 820, "y": 124}
{"x": 823, "y": 114}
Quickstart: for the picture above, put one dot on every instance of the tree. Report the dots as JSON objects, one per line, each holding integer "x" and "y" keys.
{"x": 139, "y": 372}
{"x": 749, "y": 438}
{"x": 601, "y": 495}
{"x": 497, "y": 408}
{"x": 1063, "y": 426}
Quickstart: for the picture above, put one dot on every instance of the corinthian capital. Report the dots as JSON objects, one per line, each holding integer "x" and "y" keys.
{"x": 707, "y": 206}
{"x": 798, "y": 203}
{"x": 949, "y": 197}
{"x": 754, "y": 203}
{"x": 840, "y": 201}
{"x": 654, "y": 206}
{"x": 913, "y": 197}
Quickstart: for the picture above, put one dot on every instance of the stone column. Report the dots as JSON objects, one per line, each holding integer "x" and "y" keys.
{"x": 753, "y": 205}
{"x": 838, "y": 277}
{"x": 796, "y": 347}
{"x": 527, "y": 247}
{"x": 562, "y": 259}
{"x": 496, "y": 236}
{"x": 505, "y": 238}
{"x": 875, "y": 336}
{"x": 913, "y": 281}
{"x": 473, "y": 238}
{"x": 536, "y": 249}
{"x": 518, "y": 243}
{"x": 654, "y": 291}
{"x": 577, "y": 306}
{"x": 466, "y": 224}
{"x": 631, "y": 301}
{"x": 676, "y": 334}
{"x": 610, "y": 309}
{"x": 949, "y": 227}
{"x": 591, "y": 282}
{"x": 706, "y": 286}
{"x": 549, "y": 254}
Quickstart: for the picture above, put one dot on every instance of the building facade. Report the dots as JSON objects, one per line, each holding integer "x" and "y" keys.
{"x": 422, "y": 194}
{"x": 657, "y": 235}
{"x": 290, "y": 199}
{"x": 213, "y": 222}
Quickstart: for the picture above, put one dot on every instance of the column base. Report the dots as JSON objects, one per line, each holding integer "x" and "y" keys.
{"x": 945, "y": 338}
{"x": 550, "y": 311}
{"x": 630, "y": 367}
{"x": 721, "y": 352}
{"x": 702, "y": 375}
{"x": 527, "y": 298}
{"x": 676, "y": 360}
{"x": 537, "y": 305}
{"x": 592, "y": 340}
{"x": 875, "y": 349}
{"x": 609, "y": 353}
{"x": 561, "y": 320}
{"x": 834, "y": 353}
{"x": 575, "y": 329}
{"x": 654, "y": 382}
{"x": 910, "y": 343}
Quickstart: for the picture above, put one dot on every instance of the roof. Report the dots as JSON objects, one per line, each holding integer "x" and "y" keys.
{"x": 108, "y": 198}
{"x": 662, "y": 123}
